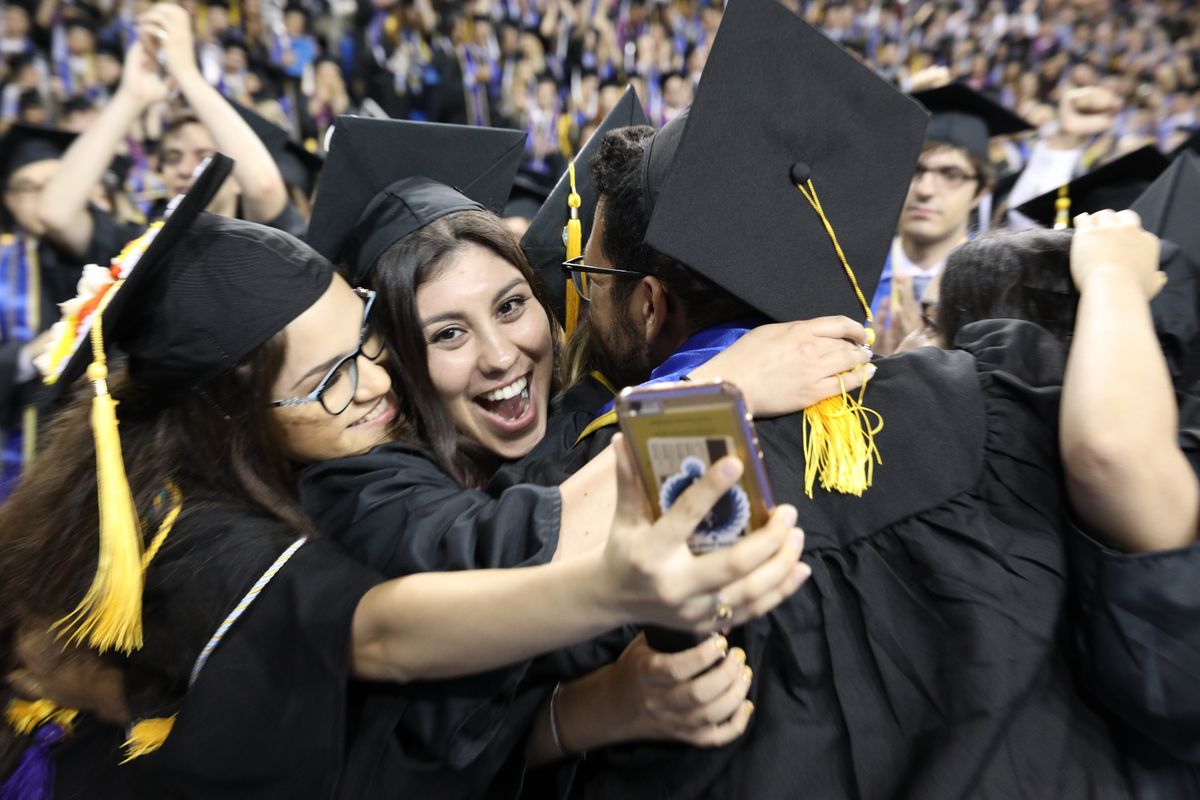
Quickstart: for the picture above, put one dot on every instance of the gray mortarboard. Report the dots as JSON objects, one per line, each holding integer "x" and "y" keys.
{"x": 764, "y": 136}
{"x": 27, "y": 144}
{"x": 966, "y": 118}
{"x": 1113, "y": 185}
{"x": 206, "y": 292}
{"x": 1168, "y": 209}
{"x": 298, "y": 167}
{"x": 384, "y": 179}
{"x": 545, "y": 241}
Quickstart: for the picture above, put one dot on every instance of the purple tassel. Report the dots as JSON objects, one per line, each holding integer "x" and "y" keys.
{"x": 33, "y": 779}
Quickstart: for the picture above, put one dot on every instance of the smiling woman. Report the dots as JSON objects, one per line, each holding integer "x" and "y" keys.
{"x": 473, "y": 339}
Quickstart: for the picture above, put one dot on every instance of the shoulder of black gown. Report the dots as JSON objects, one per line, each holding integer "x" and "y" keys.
{"x": 396, "y": 511}
{"x": 266, "y": 714}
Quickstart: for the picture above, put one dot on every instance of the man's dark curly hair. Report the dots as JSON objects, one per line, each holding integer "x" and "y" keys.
{"x": 617, "y": 173}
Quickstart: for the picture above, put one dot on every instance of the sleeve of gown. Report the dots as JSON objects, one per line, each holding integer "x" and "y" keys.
{"x": 266, "y": 715}
{"x": 1138, "y": 636}
{"x": 399, "y": 514}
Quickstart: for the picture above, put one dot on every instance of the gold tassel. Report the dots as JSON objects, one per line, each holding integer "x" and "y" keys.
{"x": 26, "y": 716}
{"x": 110, "y": 615}
{"x": 146, "y": 736}
{"x": 1062, "y": 209}
{"x": 839, "y": 444}
{"x": 839, "y": 431}
{"x": 574, "y": 250}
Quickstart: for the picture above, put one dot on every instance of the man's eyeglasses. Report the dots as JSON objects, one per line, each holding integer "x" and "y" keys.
{"x": 336, "y": 390}
{"x": 578, "y": 271}
{"x": 944, "y": 177}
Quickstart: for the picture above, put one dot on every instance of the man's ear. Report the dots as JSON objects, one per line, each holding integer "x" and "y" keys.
{"x": 653, "y": 307}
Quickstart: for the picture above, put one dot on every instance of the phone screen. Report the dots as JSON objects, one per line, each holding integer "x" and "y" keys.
{"x": 677, "y": 433}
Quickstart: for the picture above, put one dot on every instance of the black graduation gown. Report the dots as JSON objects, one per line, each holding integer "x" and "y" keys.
{"x": 1139, "y": 645}
{"x": 926, "y": 657}
{"x": 395, "y": 511}
{"x": 266, "y": 715}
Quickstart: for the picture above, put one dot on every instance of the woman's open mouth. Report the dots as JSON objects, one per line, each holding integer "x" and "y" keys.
{"x": 509, "y": 408}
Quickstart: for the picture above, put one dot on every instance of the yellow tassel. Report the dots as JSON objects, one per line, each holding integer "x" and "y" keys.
{"x": 26, "y": 716}
{"x": 146, "y": 736}
{"x": 839, "y": 444}
{"x": 839, "y": 431}
{"x": 110, "y": 615}
{"x": 1062, "y": 209}
{"x": 574, "y": 250}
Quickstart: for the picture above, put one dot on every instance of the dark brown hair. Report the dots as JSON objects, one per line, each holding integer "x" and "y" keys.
{"x": 217, "y": 443}
{"x": 616, "y": 171}
{"x": 1009, "y": 275}
{"x": 396, "y": 275}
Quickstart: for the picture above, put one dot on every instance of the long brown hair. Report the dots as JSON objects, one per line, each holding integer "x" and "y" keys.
{"x": 216, "y": 443}
{"x": 396, "y": 276}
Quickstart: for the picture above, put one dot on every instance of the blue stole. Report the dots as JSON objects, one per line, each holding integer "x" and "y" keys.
{"x": 20, "y": 313}
{"x": 695, "y": 350}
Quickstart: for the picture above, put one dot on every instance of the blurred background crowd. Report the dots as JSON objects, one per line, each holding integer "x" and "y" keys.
{"x": 555, "y": 67}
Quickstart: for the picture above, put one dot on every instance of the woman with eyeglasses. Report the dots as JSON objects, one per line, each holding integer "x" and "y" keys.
{"x": 231, "y": 634}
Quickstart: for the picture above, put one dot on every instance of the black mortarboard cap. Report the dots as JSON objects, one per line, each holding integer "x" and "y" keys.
{"x": 730, "y": 207}
{"x": 27, "y": 144}
{"x": 1114, "y": 185}
{"x": 543, "y": 242}
{"x": 1168, "y": 209}
{"x": 206, "y": 292}
{"x": 367, "y": 156}
{"x": 966, "y": 118}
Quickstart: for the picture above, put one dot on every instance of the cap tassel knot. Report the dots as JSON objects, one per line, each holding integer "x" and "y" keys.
{"x": 110, "y": 615}
{"x": 574, "y": 243}
{"x": 839, "y": 431}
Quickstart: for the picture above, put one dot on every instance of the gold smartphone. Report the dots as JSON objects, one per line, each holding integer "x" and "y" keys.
{"x": 676, "y": 431}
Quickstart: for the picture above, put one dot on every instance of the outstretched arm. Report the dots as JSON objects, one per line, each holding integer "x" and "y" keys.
{"x": 451, "y": 624}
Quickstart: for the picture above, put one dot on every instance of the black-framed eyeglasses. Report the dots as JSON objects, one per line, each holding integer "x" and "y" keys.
{"x": 945, "y": 177}
{"x": 336, "y": 390}
{"x": 578, "y": 272}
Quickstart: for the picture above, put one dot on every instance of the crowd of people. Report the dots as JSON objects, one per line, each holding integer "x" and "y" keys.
{"x": 312, "y": 480}
{"x": 553, "y": 68}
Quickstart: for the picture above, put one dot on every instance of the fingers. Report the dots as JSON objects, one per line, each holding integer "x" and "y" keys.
{"x": 685, "y": 515}
{"x": 848, "y": 381}
{"x": 668, "y": 669}
{"x": 715, "y": 571}
{"x": 25, "y": 684}
{"x": 837, "y": 328}
{"x": 770, "y": 584}
{"x": 687, "y": 697}
{"x": 1108, "y": 219}
{"x": 725, "y": 732}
